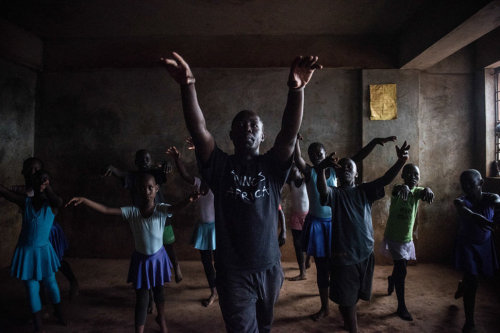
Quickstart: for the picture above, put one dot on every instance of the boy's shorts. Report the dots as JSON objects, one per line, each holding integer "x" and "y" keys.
{"x": 350, "y": 283}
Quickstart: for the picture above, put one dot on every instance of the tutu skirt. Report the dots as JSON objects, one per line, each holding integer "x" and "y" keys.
{"x": 203, "y": 237}
{"x": 317, "y": 236}
{"x": 58, "y": 240}
{"x": 34, "y": 263}
{"x": 297, "y": 220}
{"x": 398, "y": 250}
{"x": 148, "y": 271}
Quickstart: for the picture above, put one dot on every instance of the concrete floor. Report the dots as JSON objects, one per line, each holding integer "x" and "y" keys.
{"x": 106, "y": 302}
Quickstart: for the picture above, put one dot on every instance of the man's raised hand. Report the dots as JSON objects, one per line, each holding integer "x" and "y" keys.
{"x": 302, "y": 70}
{"x": 178, "y": 69}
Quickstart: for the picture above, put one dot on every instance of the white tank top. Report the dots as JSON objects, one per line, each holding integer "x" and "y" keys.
{"x": 299, "y": 199}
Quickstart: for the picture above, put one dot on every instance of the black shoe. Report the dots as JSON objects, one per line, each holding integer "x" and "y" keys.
{"x": 390, "y": 285}
{"x": 404, "y": 314}
{"x": 468, "y": 328}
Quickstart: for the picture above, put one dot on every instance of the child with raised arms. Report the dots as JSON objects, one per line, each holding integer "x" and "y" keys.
{"x": 475, "y": 252}
{"x": 299, "y": 207}
{"x": 317, "y": 232}
{"x": 150, "y": 264}
{"x": 398, "y": 236}
{"x": 352, "y": 232}
{"x": 203, "y": 238}
{"x": 34, "y": 259}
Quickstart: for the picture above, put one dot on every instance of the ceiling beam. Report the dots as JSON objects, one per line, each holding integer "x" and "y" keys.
{"x": 432, "y": 39}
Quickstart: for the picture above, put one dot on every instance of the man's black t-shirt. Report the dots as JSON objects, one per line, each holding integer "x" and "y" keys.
{"x": 247, "y": 196}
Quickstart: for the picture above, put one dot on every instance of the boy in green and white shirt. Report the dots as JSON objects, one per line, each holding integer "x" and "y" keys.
{"x": 398, "y": 238}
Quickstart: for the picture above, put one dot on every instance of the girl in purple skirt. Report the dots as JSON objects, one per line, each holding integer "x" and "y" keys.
{"x": 149, "y": 265}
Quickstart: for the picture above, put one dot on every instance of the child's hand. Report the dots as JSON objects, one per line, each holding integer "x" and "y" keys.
{"x": 178, "y": 69}
{"x": 330, "y": 161}
{"x": 45, "y": 185}
{"x": 302, "y": 70}
{"x": 109, "y": 171}
{"x": 190, "y": 144}
{"x": 402, "y": 152}
{"x": 172, "y": 151}
{"x": 75, "y": 201}
{"x": 403, "y": 192}
{"x": 428, "y": 195}
{"x": 381, "y": 141}
{"x": 194, "y": 196}
{"x": 165, "y": 167}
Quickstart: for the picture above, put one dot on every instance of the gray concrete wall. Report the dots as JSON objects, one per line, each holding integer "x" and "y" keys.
{"x": 17, "y": 124}
{"x": 447, "y": 123}
{"x": 436, "y": 116}
{"x": 405, "y": 127}
{"x": 91, "y": 119}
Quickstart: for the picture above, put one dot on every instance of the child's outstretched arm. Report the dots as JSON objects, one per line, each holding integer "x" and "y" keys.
{"x": 301, "y": 72}
{"x": 299, "y": 160}
{"x": 329, "y": 162}
{"x": 193, "y": 116}
{"x": 176, "y": 155}
{"x": 185, "y": 202}
{"x": 366, "y": 150}
{"x": 427, "y": 195}
{"x": 94, "y": 205}
{"x": 12, "y": 196}
{"x": 54, "y": 200}
{"x": 464, "y": 211}
{"x": 403, "y": 156}
{"x": 401, "y": 191}
{"x": 111, "y": 170}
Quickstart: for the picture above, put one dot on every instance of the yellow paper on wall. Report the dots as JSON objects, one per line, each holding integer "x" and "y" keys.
{"x": 383, "y": 102}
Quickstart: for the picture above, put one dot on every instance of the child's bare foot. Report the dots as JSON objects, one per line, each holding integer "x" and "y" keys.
{"x": 209, "y": 301}
{"x": 322, "y": 313}
{"x": 299, "y": 277}
{"x": 162, "y": 323}
{"x": 178, "y": 273}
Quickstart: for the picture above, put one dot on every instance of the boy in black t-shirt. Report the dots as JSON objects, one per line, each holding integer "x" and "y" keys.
{"x": 246, "y": 189}
{"x": 352, "y": 235}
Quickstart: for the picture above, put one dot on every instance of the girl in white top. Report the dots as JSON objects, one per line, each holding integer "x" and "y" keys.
{"x": 299, "y": 209}
{"x": 149, "y": 265}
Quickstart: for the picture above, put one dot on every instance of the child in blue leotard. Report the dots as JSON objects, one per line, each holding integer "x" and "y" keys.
{"x": 56, "y": 237}
{"x": 34, "y": 259}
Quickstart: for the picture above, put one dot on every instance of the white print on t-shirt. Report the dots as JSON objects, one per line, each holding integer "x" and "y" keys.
{"x": 248, "y": 188}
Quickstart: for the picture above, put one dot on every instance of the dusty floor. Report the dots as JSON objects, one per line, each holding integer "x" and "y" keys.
{"x": 105, "y": 303}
